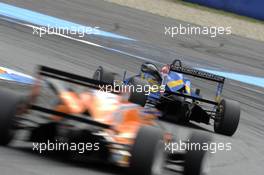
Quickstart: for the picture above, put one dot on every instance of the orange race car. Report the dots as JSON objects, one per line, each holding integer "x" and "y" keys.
{"x": 91, "y": 123}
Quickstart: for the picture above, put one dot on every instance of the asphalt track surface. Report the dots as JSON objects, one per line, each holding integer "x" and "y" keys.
{"x": 22, "y": 51}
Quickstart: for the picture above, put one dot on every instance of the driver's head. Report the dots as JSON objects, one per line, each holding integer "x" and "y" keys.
{"x": 151, "y": 70}
{"x": 165, "y": 69}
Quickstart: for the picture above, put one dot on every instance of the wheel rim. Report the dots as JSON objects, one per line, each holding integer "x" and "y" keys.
{"x": 218, "y": 119}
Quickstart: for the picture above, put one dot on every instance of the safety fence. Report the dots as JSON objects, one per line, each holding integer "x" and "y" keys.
{"x": 251, "y": 8}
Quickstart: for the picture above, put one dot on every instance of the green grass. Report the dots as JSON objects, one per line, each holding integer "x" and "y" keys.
{"x": 217, "y": 11}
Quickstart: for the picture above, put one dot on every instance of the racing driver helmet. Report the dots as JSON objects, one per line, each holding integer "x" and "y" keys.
{"x": 151, "y": 73}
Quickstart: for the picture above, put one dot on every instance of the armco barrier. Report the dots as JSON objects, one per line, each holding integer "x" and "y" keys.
{"x": 251, "y": 8}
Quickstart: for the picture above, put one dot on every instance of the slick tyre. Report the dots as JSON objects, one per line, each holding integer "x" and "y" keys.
{"x": 104, "y": 75}
{"x": 138, "y": 97}
{"x": 148, "y": 155}
{"x": 227, "y": 118}
{"x": 9, "y": 107}
{"x": 195, "y": 159}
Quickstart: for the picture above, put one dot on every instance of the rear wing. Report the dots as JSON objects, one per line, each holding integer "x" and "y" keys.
{"x": 197, "y": 73}
{"x": 176, "y": 66}
{"x": 71, "y": 78}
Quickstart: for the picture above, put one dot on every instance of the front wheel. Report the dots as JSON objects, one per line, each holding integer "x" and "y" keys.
{"x": 227, "y": 117}
{"x": 148, "y": 155}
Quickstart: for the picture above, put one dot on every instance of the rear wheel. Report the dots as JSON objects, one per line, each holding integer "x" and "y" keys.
{"x": 9, "y": 107}
{"x": 104, "y": 75}
{"x": 148, "y": 155}
{"x": 138, "y": 97}
{"x": 227, "y": 118}
{"x": 195, "y": 158}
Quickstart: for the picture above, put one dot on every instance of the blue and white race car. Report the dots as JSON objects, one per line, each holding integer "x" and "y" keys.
{"x": 170, "y": 91}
